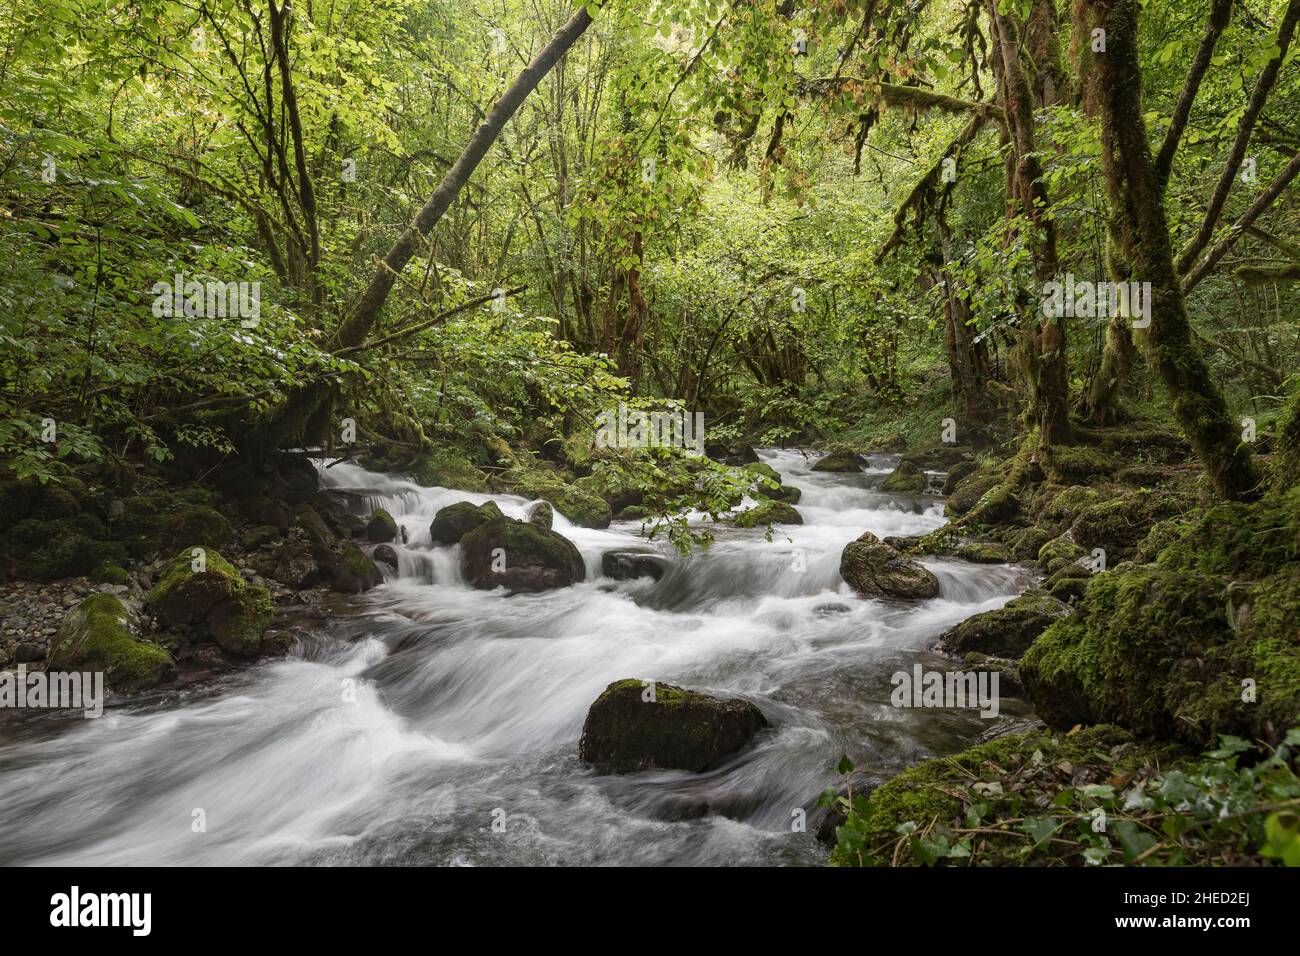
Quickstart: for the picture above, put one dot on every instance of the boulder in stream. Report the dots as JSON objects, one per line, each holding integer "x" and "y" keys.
{"x": 453, "y": 522}
{"x": 839, "y": 461}
{"x": 519, "y": 556}
{"x": 1006, "y": 631}
{"x": 906, "y": 479}
{"x": 627, "y": 565}
{"x": 875, "y": 570}
{"x": 381, "y": 528}
{"x": 203, "y": 597}
{"x": 642, "y": 725}
{"x": 102, "y": 634}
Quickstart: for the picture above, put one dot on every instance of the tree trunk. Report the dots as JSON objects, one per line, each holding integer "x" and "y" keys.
{"x": 1133, "y": 185}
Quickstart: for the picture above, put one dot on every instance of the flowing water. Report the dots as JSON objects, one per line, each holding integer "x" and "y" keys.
{"x": 408, "y": 727}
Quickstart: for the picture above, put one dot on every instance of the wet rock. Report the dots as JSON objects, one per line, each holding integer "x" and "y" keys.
{"x": 638, "y": 726}
{"x": 768, "y": 512}
{"x": 542, "y": 515}
{"x": 875, "y": 570}
{"x": 735, "y": 454}
{"x": 453, "y": 522}
{"x": 354, "y": 572}
{"x": 101, "y": 634}
{"x": 264, "y": 535}
{"x": 983, "y": 552}
{"x": 293, "y": 563}
{"x": 385, "y": 554}
{"x": 955, "y": 474}
{"x": 626, "y": 565}
{"x": 28, "y": 653}
{"x": 965, "y": 494}
{"x": 211, "y": 604}
{"x": 520, "y": 557}
{"x": 839, "y": 461}
{"x": 381, "y": 528}
{"x": 1007, "y": 631}
{"x": 906, "y": 479}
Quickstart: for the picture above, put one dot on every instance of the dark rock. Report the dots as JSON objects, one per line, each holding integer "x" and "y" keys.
{"x": 1007, "y": 631}
{"x": 839, "y": 461}
{"x": 214, "y": 604}
{"x": 295, "y": 564}
{"x": 381, "y": 528}
{"x": 385, "y": 554}
{"x": 875, "y": 570}
{"x": 955, "y": 474}
{"x": 28, "y": 653}
{"x": 520, "y": 557}
{"x": 906, "y": 479}
{"x": 453, "y": 522}
{"x": 735, "y": 454}
{"x": 354, "y": 572}
{"x": 626, "y": 565}
{"x": 638, "y": 726}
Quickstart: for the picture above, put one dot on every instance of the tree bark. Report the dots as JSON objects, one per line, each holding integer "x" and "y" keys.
{"x": 1134, "y": 188}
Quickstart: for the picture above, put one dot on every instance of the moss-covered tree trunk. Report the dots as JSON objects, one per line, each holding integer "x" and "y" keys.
{"x": 1142, "y": 231}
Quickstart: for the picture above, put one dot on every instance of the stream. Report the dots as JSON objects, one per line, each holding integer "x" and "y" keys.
{"x": 402, "y": 730}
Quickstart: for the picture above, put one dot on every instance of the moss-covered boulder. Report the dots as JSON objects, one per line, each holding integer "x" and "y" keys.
{"x": 875, "y": 570}
{"x": 445, "y": 468}
{"x": 1025, "y": 543}
{"x": 1059, "y": 552}
{"x": 293, "y": 563}
{"x": 576, "y": 500}
{"x": 1119, "y": 524}
{"x": 638, "y": 725}
{"x": 108, "y": 573}
{"x": 354, "y": 571}
{"x": 1076, "y": 464}
{"x": 983, "y": 552}
{"x": 165, "y": 522}
{"x": 66, "y": 555}
{"x": 955, "y": 474}
{"x": 1069, "y": 583}
{"x": 768, "y": 512}
{"x": 455, "y": 521}
{"x": 906, "y": 479}
{"x": 733, "y": 453}
{"x": 519, "y": 556}
{"x": 204, "y": 598}
{"x": 381, "y": 528}
{"x": 1175, "y": 654}
{"x": 845, "y": 461}
{"x": 1007, "y": 631}
{"x": 763, "y": 470}
{"x": 101, "y": 634}
{"x": 968, "y": 492}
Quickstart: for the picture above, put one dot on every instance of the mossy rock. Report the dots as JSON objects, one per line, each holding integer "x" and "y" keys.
{"x": 906, "y": 479}
{"x": 1144, "y": 476}
{"x": 214, "y": 603}
{"x": 381, "y": 528}
{"x": 636, "y": 726}
{"x": 968, "y": 492}
{"x": 1168, "y": 654}
{"x": 354, "y": 571}
{"x": 1059, "y": 552}
{"x": 1076, "y": 464}
{"x": 264, "y": 535}
{"x": 937, "y": 457}
{"x": 734, "y": 454}
{"x": 763, "y": 470}
{"x": 1242, "y": 540}
{"x": 1069, "y": 583}
{"x": 101, "y": 634}
{"x": 790, "y": 494}
{"x": 575, "y": 500}
{"x": 1056, "y": 504}
{"x": 163, "y": 523}
{"x": 956, "y": 473}
{"x": 768, "y": 512}
{"x": 294, "y": 563}
{"x": 840, "y": 461}
{"x": 1025, "y": 543}
{"x": 108, "y": 573}
{"x": 1119, "y": 524}
{"x": 1006, "y": 631}
{"x": 519, "y": 556}
{"x": 318, "y": 532}
{"x": 875, "y": 570}
{"x": 984, "y": 552}
{"x": 454, "y": 521}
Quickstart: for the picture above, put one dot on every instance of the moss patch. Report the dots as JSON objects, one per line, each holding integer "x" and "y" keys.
{"x": 98, "y": 635}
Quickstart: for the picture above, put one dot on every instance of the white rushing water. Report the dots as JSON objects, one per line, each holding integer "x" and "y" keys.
{"x": 407, "y": 728}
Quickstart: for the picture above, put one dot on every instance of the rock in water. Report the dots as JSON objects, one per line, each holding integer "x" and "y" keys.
{"x": 768, "y": 512}
{"x": 520, "y": 557}
{"x": 1007, "y": 631}
{"x": 874, "y": 570}
{"x": 906, "y": 479}
{"x": 839, "y": 461}
{"x": 214, "y": 603}
{"x": 100, "y": 634}
{"x": 626, "y": 565}
{"x": 381, "y": 528}
{"x": 386, "y": 554}
{"x": 638, "y": 725}
{"x": 354, "y": 572}
{"x": 542, "y": 515}
{"x": 453, "y": 522}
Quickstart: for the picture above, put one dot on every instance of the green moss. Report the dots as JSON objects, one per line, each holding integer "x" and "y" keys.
{"x": 984, "y": 552}
{"x": 110, "y": 574}
{"x": 1252, "y": 540}
{"x": 213, "y": 604}
{"x": 97, "y": 635}
{"x": 1058, "y": 553}
{"x": 1056, "y": 504}
{"x": 768, "y": 512}
{"x": 445, "y": 468}
{"x": 763, "y": 470}
{"x": 1119, "y": 524}
{"x": 381, "y": 528}
{"x": 906, "y": 479}
{"x": 70, "y": 555}
{"x": 1076, "y": 464}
